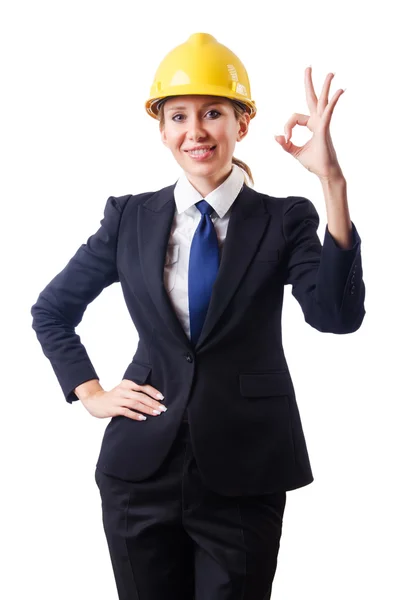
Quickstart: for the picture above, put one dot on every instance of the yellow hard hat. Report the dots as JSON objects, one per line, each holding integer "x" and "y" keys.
{"x": 201, "y": 66}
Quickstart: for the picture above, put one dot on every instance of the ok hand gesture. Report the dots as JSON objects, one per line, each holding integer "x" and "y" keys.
{"x": 318, "y": 154}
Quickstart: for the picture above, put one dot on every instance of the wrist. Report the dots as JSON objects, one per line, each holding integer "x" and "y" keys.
{"x": 88, "y": 388}
{"x": 334, "y": 180}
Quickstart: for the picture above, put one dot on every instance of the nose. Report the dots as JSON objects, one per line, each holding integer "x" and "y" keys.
{"x": 195, "y": 129}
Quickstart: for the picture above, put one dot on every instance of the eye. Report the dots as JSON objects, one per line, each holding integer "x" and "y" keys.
{"x": 217, "y": 113}
{"x": 174, "y": 118}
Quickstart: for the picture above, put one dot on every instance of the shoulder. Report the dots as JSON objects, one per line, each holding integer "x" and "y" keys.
{"x": 132, "y": 201}
{"x": 291, "y": 214}
{"x": 281, "y": 205}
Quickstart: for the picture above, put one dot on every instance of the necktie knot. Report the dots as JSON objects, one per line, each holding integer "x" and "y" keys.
{"x": 204, "y": 207}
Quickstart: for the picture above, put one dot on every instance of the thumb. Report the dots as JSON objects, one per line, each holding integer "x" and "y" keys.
{"x": 287, "y": 146}
{"x": 280, "y": 139}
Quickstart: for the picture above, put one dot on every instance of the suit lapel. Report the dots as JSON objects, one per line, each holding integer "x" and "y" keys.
{"x": 155, "y": 217}
{"x": 248, "y": 222}
{"x": 247, "y": 225}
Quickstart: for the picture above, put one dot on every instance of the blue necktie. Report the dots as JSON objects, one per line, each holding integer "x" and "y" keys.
{"x": 203, "y": 269}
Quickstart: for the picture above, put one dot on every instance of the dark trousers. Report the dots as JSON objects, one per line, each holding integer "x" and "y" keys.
{"x": 171, "y": 538}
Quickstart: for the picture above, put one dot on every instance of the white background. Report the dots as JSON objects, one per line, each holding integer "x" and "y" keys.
{"x": 74, "y": 78}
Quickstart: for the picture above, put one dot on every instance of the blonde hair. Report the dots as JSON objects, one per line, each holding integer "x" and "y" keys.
{"x": 239, "y": 110}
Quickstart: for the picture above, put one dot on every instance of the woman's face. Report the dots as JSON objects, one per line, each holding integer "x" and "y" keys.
{"x": 201, "y": 132}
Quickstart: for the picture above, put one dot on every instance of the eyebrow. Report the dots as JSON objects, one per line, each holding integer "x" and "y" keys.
{"x": 181, "y": 107}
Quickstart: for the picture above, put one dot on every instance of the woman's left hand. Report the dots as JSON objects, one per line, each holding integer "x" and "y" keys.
{"x": 318, "y": 154}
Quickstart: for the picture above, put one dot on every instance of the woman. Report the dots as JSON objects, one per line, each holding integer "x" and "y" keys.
{"x": 205, "y": 437}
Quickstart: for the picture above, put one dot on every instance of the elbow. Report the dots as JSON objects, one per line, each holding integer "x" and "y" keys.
{"x": 37, "y": 315}
{"x": 40, "y": 315}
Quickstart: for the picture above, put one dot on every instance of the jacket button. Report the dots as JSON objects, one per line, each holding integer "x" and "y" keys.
{"x": 352, "y": 289}
{"x": 189, "y": 358}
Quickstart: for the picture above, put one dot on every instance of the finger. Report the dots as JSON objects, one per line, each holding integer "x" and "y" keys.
{"x": 311, "y": 97}
{"x": 130, "y": 414}
{"x": 148, "y": 389}
{"x": 323, "y": 100}
{"x": 326, "y": 117}
{"x": 295, "y": 119}
{"x": 145, "y": 408}
{"x": 132, "y": 399}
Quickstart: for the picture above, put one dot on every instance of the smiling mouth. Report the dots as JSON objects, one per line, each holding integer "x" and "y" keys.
{"x": 201, "y": 153}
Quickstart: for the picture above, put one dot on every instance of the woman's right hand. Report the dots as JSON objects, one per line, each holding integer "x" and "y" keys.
{"x": 124, "y": 400}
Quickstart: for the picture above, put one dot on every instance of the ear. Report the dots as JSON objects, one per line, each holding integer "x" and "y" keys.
{"x": 163, "y": 136}
{"x": 244, "y": 122}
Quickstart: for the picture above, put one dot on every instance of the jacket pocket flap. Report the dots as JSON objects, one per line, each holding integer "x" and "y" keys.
{"x": 137, "y": 372}
{"x": 273, "y": 383}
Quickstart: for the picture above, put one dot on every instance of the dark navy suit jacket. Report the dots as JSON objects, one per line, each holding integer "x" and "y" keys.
{"x": 245, "y": 426}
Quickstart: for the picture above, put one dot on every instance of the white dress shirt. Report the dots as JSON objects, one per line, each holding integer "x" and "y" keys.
{"x": 186, "y": 219}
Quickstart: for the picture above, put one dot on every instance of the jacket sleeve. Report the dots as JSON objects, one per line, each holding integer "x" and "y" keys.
{"x": 326, "y": 280}
{"x": 61, "y": 305}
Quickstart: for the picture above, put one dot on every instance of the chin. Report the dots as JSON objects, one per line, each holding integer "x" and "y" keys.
{"x": 208, "y": 174}
{"x": 202, "y": 167}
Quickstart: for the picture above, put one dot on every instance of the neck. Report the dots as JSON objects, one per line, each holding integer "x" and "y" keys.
{"x": 206, "y": 185}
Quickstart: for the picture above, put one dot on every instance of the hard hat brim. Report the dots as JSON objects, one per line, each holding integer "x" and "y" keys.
{"x": 153, "y": 104}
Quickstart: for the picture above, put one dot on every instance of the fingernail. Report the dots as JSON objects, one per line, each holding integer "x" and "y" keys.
{"x": 163, "y": 408}
{"x": 160, "y": 396}
{"x": 156, "y": 412}
{"x": 142, "y": 418}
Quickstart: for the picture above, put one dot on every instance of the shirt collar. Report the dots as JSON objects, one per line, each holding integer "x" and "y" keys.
{"x": 221, "y": 199}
